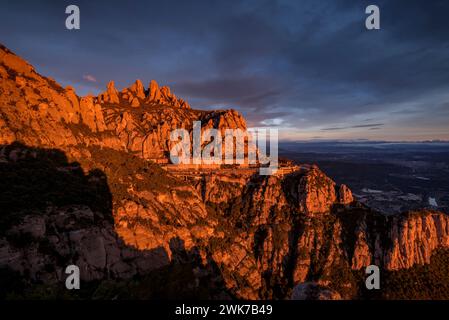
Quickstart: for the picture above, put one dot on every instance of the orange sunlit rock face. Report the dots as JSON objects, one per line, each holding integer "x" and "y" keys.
{"x": 114, "y": 207}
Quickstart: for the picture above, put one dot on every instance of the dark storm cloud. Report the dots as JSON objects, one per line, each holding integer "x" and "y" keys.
{"x": 333, "y": 129}
{"x": 245, "y": 90}
{"x": 301, "y": 64}
{"x": 369, "y": 126}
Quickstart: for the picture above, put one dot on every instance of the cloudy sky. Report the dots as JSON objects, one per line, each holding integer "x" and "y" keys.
{"x": 309, "y": 68}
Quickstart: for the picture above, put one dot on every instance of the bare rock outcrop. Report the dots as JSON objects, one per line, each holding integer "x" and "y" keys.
{"x": 138, "y": 89}
{"x": 136, "y": 95}
{"x": 154, "y": 93}
{"x": 35, "y": 109}
{"x": 29, "y": 99}
{"x": 263, "y": 235}
{"x": 135, "y": 103}
{"x": 316, "y": 192}
{"x": 415, "y": 236}
{"x": 110, "y": 95}
{"x": 91, "y": 114}
{"x": 408, "y": 239}
{"x": 95, "y": 249}
{"x": 345, "y": 195}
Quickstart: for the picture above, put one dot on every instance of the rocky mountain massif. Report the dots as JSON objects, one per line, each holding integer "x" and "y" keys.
{"x": 81, "y": 184}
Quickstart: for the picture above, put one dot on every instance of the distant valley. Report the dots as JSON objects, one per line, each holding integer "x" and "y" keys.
{"x": 389, "y": 177}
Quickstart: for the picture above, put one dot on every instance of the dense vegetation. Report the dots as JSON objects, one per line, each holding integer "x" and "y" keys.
{"x": 422, "y": 282}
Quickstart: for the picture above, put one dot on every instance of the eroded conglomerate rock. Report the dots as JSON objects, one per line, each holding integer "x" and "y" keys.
{"x": 316, "y": 192}
{"x": 37, "y": 111}
{"x": 406, "y": 240}
{"x": 415, "y": 237}
{"x": 91, "y": 114}
{"x": 272, "y": 240}
{"x": 345, "y": 195}
{"x": 260, "y": 235}
{"x": 121, "y": 236}
{"x": 138, "y": 89}
{"x": 69, "y": 235}
{"x": 111, "y": 94}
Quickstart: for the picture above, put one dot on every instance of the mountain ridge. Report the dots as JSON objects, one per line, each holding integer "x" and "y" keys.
{"x": 245, "y": 235}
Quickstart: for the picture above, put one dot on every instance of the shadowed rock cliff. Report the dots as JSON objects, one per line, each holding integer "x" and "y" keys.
{"x": 79, "y": 189}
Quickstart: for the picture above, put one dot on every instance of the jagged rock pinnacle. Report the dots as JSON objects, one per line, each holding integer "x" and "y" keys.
{"x": 154, "y": 93}
{"x": 138, "y": 89}
{"x": 111, "y": 94}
